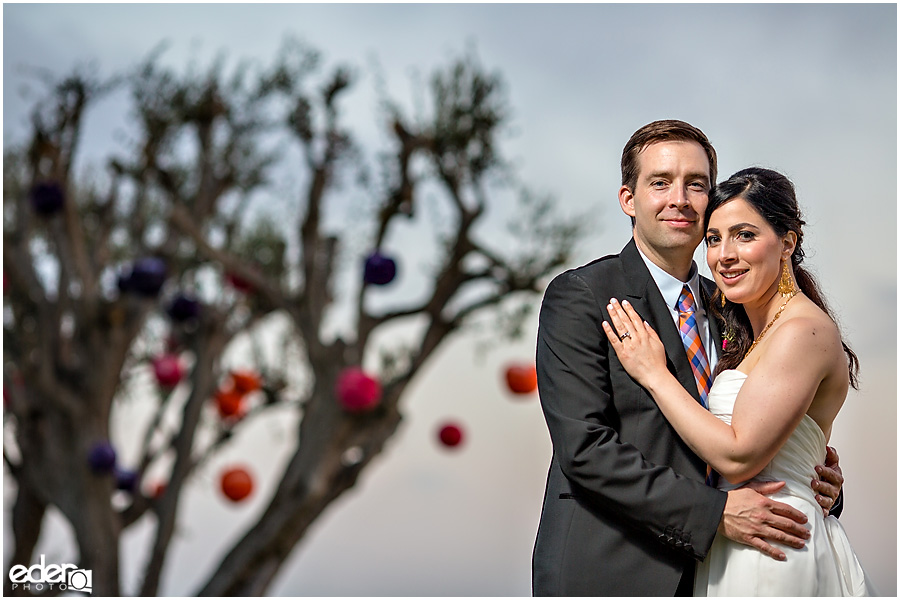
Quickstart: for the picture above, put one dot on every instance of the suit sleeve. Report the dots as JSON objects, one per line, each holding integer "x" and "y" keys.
{"x": 610, "y": 475}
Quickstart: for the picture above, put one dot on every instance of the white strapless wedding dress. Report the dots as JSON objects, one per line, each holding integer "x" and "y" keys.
{"x": 826, "y": 566}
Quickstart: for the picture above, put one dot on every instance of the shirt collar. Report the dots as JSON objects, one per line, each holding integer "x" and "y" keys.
{"x": 670, "y": 287}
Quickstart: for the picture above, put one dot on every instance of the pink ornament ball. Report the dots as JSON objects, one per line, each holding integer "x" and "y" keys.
{"x": 451, "y": 435}
{"x": 357, "y": 391}
{"x": 168, "y": 370}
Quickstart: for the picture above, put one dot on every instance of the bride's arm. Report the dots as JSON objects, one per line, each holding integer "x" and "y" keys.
{"x": 769, "y": 406}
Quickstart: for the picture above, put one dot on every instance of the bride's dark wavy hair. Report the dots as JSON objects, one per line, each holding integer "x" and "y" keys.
{"x": 772, "y": 195}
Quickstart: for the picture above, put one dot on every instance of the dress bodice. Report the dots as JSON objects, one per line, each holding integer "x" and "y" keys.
{"x": 796, "y": 461}
{"x": 825, "y": 566}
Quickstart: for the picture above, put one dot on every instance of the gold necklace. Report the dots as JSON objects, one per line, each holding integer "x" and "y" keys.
{"x": 766, "y": 328}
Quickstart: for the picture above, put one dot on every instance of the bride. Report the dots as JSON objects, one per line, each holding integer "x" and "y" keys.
{"x": 782, "y": 377}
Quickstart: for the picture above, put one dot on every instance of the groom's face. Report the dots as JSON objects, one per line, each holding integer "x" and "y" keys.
{"x": 669, "y": 198}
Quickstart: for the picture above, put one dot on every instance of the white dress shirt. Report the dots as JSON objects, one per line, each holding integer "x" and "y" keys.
{"x": 670, "y": 288}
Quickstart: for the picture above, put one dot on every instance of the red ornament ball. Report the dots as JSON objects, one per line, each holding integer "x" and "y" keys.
{"x": 237, "y": 484}
{"x": 451, "y": 435}
{"x": 239, "y": 283}
{"x": 521, "y": 379}
{"x": 168, "y": 370}
{"x": 158, "y": 489}
{"x": 357, "y": 391}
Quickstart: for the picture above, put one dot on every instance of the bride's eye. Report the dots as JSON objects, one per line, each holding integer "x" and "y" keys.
{"x": 745, "y": 236}
{"x": 712, "y": 240}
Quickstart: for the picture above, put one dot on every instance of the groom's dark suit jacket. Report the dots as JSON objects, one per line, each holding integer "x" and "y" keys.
{"x": 626, "y": 511}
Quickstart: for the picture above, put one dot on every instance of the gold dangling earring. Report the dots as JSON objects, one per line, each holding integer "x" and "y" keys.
{"x": 723, "y": 299}
{"x": 786, "y": 285}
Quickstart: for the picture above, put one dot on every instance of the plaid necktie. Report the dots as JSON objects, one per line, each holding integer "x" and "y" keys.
{"x": 690, "y": 336}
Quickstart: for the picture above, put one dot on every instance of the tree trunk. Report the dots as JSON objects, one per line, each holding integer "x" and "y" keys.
{"x": 319, "y": 472}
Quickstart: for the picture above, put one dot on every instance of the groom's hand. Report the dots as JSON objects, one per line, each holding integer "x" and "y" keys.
{"x": 831, "y": 478}
{"x": 753, "y": 519}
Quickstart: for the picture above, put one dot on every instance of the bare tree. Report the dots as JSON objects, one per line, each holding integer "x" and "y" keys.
{"x": 102, "y": 273}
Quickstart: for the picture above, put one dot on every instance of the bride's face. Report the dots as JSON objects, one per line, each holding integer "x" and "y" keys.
{"x": 744, "y": 253}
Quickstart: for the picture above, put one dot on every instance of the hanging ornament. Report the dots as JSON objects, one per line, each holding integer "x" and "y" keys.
{"x": 102, "y": 457}
{"x": 230, "y": 403}
{"x": 173, "y": 342}
{"x": 521, "y": 379}
{"x": 246, "y": 381}
{"x": 123, "y": 281}
{"x": 357, "y": 391}
{"x": 146, "y": 277}
{"x": 126, "y": 479}
{"x": 47, "y": 198}
{"x": 450, "y": 435}
{"x": 239, "y": 283}
{"x": 168, "y": 370}
{"x": 183, "y": 308}
{"x": 380, "y": 269}
{"x": 157, "y": 489}
{"x": 237, "y": 484}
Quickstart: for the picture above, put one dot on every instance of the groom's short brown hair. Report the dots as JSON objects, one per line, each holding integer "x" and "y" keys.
{"x": 669, "y": 130}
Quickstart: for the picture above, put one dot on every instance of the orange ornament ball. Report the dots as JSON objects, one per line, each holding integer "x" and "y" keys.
{"x": 237, "y": 484}
{"x": 246, "y": 381}
{"x": 230, "y": 403}
{"x": 521, "y": 379}
{"x": 450, "y": 435}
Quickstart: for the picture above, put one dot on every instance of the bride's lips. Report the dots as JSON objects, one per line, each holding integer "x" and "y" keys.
{"x": 732, "y": 275}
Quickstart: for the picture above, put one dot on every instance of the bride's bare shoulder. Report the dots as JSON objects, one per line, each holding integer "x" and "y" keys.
{"x": 808, "y": 331}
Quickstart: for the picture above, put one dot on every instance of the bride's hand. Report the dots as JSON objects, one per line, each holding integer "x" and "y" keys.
{"x": 638, "y": 347}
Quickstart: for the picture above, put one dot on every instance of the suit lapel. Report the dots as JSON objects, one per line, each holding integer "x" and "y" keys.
{"x": 708, "y": 288}
{"x": 649, "y": 303}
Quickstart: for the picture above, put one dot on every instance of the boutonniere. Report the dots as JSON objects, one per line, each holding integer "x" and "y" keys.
{"x": 727, "y": 337}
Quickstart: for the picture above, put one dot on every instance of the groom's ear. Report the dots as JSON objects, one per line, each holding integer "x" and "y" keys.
{"x": 626, "y": 200}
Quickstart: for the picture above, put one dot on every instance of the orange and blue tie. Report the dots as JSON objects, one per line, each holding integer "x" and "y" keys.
{"x": 690, "y": 336}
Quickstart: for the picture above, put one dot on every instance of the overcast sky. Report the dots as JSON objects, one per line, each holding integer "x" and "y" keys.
{"x": 807, "y": 89}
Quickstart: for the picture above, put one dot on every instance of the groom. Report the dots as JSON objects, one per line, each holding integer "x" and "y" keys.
{"x": 626, "y": 510}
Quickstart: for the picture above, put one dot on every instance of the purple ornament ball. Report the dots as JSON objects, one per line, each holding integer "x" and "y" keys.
{"x": 47, "y": 198}
{"x": 184, "y": 308}
{"x": 126, "y": 480}
{"x": 148, "y": 276}
{"x": 380, "y": 269}
{"x": 102, "y": 457}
